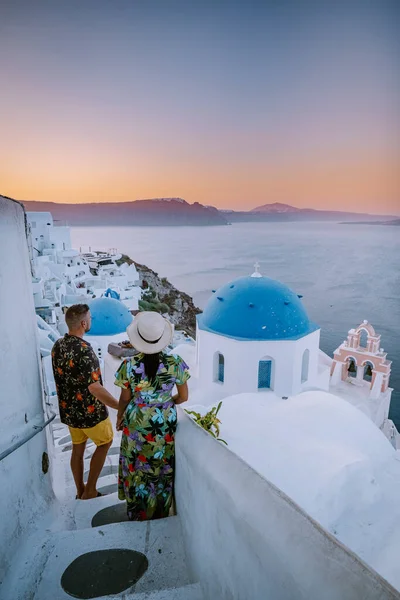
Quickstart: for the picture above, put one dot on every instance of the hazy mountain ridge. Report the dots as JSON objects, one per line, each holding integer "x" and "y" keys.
{"x": 276, "y": 207}
{"x": 157, "y": 211}
{"x": 178, "y": 212}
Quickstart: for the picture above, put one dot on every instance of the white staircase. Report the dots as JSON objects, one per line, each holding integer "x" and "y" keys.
{"x": 49, "y": 551}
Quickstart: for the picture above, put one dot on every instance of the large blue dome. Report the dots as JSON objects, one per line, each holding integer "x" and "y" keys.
{"x": 109, "y": 316}
{"x": 256, "y": 308}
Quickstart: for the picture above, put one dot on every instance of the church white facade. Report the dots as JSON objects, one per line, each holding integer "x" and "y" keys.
{"x": 255, "y": 335}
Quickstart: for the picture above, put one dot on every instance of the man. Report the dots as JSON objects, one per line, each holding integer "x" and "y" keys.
{"x": 82, "y": 398}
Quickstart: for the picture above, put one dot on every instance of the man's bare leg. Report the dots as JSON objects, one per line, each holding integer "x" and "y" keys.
{"x": 96, "y": 465}
{"x": 78, "y": 450}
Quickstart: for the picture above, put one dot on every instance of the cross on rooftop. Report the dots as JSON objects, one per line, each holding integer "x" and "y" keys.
{"x": 257, "y": 272}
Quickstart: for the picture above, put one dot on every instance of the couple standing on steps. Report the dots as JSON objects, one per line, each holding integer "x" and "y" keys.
{"x": 146, "y": 410}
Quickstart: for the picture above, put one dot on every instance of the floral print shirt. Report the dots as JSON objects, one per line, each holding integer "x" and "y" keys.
{"x": 75, "y": 367}
{"x": 147, "y": 454}
{"x": 171, "y": 370}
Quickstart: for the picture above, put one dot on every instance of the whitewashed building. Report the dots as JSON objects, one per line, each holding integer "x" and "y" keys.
{"x": 255, "y": 335}
{"x": 62, "y": 275}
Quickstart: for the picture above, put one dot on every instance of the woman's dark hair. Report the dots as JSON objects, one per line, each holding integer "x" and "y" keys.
{"x": 151, "y": 363}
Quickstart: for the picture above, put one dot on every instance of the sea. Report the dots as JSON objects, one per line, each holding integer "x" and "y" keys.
{"x": 346, "y": 273}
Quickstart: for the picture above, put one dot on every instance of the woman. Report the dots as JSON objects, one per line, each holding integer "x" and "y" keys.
{"x": 147, "y": 417}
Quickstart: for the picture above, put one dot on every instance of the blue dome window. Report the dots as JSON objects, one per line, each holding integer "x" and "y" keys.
{"x": 221, "y": 369}
{"x": 264, "y": 374}
{"x": 109, "y": 316}
{"x": 256, "y": 308}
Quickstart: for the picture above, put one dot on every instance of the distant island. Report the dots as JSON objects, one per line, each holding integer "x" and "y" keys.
{"x": 391, "y": 222}
{"x": 178, "y": 212}
{"x": 278, "y": 211}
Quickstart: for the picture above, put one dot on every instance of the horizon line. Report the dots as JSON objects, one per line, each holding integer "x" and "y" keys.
{"x": 205, "y": 205}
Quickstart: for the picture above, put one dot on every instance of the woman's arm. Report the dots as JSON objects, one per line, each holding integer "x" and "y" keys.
{"x": 124, "y": 399}
{"x": 182, "y": 395}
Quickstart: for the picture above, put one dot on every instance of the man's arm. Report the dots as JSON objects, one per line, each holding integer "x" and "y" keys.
{"x": 100, "y": 392}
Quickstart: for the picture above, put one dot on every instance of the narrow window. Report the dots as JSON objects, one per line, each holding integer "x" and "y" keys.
{"x": 219, "y": 367}
{"x": 304, "y": 366}
{"x": 264, "y": 374}
{"x": 363, "y": 339}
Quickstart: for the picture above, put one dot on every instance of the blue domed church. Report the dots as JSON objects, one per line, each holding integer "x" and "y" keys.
{"x": 110, "y": 318}
{"x": 255, "y": 334}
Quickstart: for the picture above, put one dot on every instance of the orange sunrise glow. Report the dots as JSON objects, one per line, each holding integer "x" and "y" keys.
{"x": 197, "y": 107}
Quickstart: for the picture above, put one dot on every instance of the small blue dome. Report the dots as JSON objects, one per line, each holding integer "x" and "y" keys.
{"x": 109, "y": 316}
{"x": 256, "y": 308}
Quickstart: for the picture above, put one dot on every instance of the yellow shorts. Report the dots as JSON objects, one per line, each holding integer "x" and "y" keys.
{"x": 100, "y": 434}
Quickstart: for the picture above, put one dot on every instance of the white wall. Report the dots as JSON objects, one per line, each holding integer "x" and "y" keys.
{"x": 242, "y": 358}
{"x": 100, "y": 344}
{"x": 246, "y": 540}
{"x": 41, "y": 224}
{"x": 24, "y": 488}
{"x": 61, "y": 237}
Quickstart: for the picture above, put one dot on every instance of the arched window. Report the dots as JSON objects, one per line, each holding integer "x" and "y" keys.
{"x": 265, "y": 373}
{"x": 219, "y": 367}
{"x": 368, "y": 371}
{"x": 351, "y": 368}
{"x": 304, "y": 366}
{"x": 363, "y": 338}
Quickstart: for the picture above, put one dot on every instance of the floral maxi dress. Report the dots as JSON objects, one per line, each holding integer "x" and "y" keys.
{"x": 147, "y": 455}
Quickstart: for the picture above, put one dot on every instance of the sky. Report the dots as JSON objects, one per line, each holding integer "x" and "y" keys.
{"x": 227, "y": 103}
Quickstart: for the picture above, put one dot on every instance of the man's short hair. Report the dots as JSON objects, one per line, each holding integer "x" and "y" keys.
{"x": 76, "y": 314}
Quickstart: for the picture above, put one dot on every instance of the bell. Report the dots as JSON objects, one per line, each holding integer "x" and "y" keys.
{"x": 352, "y": 367}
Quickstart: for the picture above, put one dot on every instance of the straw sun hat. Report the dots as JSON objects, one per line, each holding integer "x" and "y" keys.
{"x": 149, "y": 332}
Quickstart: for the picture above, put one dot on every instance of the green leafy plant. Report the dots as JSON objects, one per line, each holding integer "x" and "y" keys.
{"x": 156, "y": 306}
{"x": 149, "y": 294}
{"x": 209, "y": 421}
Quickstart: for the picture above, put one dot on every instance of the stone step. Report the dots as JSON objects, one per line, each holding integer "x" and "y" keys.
{"x": 159, "y": 542}
{"x": 187, "y": 592}
{"x": 86, "y": 510}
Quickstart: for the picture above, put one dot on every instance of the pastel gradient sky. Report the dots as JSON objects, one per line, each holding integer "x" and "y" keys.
{"x": 234, "y": 104}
